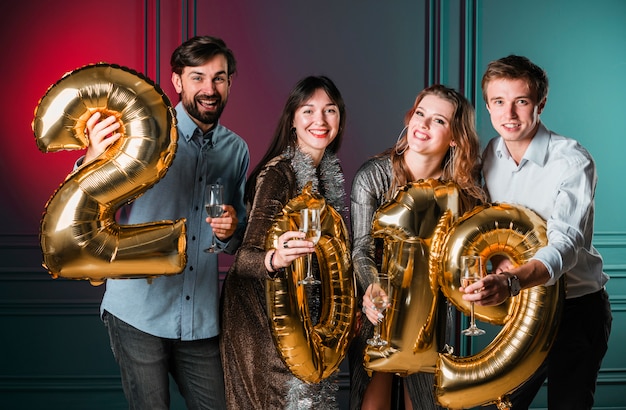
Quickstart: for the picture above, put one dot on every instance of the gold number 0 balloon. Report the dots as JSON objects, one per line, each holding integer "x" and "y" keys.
{"x": 529, "y": 320}
{"x": 425, "y": 241}
{"x": 79, "y": 236}
{"x": 313, "y": 352}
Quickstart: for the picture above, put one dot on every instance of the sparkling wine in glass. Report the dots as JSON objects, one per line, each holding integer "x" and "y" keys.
{"x": 380, "y": 297}
{"x": 213, "y": 201}
{"x": 471, "y": 271}
{"x": 311, "y": 226}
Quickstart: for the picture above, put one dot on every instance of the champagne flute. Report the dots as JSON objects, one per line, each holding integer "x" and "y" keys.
{"x": 471, "y": 271}
{"x": 213, "y": 201}
{"x": 310, "y": 225}
{"x": 380, "y": 297}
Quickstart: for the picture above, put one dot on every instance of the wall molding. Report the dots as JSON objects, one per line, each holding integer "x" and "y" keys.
{"x": 609, "y": 239}
{"x": 36, "y": 383}
{"x": 468, "y": 50}
{"x": 98, "y": 382}
{"x": 50, "y": 307}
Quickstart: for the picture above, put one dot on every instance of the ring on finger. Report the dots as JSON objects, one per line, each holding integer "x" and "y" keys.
{"x": 285, "y": 244}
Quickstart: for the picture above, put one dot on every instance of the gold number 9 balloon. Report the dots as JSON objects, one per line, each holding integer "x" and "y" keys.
{"x": 425, "y": 240}
{"x": 79, "y": 236}
{"x": 313, "y": 352}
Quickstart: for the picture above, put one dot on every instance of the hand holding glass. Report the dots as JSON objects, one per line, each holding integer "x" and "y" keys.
{"x": 311, "y": 226}
{"x": 213, "y": 201}
{"x": 471, "y": 271}
{"x": 379, "y": 295}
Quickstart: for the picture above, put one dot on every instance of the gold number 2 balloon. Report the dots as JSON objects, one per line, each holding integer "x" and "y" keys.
{"x": 425, "y": 239}
{"x": 80, "y": 238}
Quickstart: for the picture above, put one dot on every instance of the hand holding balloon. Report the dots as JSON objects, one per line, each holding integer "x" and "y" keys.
{"x": 494, "y": 289}
{"x": 101, "y": 135}
{"x": 489, "y": 291}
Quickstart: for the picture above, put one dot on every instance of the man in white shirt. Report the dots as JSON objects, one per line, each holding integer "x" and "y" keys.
{"x": 556, "y": 177}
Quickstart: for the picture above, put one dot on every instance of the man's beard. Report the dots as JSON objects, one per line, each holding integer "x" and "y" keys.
{"x": 208, "y": 118}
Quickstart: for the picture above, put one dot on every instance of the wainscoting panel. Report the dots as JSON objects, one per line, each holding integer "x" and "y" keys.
{"x": 54, "y": 350}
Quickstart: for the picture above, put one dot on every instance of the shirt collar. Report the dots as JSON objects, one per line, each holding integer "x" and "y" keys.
{"x": 536, "y": 152}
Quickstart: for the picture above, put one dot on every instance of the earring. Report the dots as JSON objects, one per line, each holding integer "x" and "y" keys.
{"x": 400, "y": 152}
{"x": 450, "y": 162}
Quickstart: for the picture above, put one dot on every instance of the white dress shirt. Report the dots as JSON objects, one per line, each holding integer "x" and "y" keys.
{"x": 556, "y": 178}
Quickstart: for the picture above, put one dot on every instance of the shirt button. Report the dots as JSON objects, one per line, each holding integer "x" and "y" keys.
{"x": 187, "y": 297}
{"x": 191, "y": 268}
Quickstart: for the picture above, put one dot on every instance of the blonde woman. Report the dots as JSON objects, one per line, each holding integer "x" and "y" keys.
{"x": 439, "y": 141}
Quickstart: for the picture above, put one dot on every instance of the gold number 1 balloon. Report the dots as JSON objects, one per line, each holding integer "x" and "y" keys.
{"x": 79, "y": 236}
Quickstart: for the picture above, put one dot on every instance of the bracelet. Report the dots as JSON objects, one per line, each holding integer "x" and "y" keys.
{"x": 272, "y": 263}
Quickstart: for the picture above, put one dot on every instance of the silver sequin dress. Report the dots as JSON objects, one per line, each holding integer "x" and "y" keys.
{"x": 369, "y": 191}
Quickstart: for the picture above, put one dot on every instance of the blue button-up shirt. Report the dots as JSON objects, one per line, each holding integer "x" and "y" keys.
{"x": 556, "y": 178}
{"x": 184, "y": 306}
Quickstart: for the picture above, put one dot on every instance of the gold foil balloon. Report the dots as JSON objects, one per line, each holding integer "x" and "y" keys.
{"x": 80, "y": 238}
{"x": 313, "y": 352}
{"x": 408, "y": 224}
{"x": 424, "y": 240}
{"x": 530, "y": 319}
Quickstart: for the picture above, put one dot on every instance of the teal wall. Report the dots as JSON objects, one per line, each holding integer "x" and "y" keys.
{"x": 54, "y": 351}
{"x": 582, "y": 46}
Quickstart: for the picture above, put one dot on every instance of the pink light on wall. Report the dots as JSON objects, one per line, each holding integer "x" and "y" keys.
{"x": 41, "y": 42}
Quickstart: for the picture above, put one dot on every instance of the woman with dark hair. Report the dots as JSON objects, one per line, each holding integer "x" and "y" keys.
{"x": 439, "y": 141}
{"x": 303, "y": 150}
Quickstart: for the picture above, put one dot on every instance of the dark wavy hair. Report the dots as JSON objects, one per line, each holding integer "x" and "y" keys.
{"x": 283, "y": 136}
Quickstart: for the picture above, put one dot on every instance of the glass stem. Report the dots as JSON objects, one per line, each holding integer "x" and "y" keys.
{"x": 308, "y": 265}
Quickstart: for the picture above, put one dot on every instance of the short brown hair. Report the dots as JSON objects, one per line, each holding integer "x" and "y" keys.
{"x": 198, "y": 50}
{"x": 517, "y": 67}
